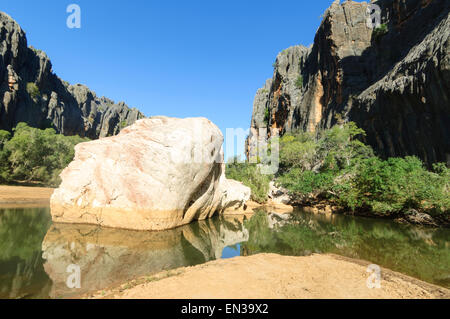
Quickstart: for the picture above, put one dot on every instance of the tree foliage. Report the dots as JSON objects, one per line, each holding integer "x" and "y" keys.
{"x": 380, "y": 31}
{"x": 338, "y": 166}
{"x": 331, "y": 149}
{"x": 35, "y": 155}
{"x": 33, "y": 90}
{"x": 395, "y": 185}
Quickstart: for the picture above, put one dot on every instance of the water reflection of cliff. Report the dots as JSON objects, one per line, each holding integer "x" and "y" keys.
{"x": 21, "y": 271}
{"x": 110, "y": 256}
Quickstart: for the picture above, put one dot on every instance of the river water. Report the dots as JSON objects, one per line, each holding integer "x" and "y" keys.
{"x": 36, "y": 255}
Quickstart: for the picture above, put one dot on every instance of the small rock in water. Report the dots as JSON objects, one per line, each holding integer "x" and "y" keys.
{"x": 414, "y": 217}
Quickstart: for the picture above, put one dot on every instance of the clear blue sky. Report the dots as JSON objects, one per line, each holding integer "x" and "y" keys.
{"x": 174, "y": 58}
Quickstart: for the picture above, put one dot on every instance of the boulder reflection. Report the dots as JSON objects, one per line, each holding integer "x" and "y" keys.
{"x": 112, "y": 256}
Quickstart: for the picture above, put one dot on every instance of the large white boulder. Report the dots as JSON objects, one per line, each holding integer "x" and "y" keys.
{"x": 157, "y": 174}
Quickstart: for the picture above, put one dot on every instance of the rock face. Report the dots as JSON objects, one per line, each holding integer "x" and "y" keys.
{"x": 30, "y": 92}
{"x": 234, "y": 194}
{"x": 278, "y": 194}
{"x": 414, "y": 217}
{"x": 395, "y": 85}
{"x": 157, "y": 174}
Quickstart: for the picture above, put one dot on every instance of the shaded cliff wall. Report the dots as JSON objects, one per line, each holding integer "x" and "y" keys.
{"x": 30, "y": 92}
{"x": 395, "y": 85}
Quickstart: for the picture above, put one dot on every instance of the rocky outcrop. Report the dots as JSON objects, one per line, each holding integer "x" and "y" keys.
{"x": 157, "y": 174}
{"x": 30, "y": 92}
{"x": 393, "y": 84}
{"x": 278, "y": 194}
{"x": 414, "y": 217}
{"x": 234, "y": 195}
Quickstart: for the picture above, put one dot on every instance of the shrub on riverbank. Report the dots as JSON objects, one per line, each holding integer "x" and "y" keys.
{"x": 35, "y": 155}
{"x": 334, "y": 164}
{"x": 312, "y": 163}
{"x": 4, "y": 167}
{"x": 396, "y": 185}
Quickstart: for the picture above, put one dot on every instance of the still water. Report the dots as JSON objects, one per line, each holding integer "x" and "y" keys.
{"x": 35, "y": 254}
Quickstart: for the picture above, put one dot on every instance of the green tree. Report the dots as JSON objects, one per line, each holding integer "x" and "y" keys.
{"x": 39, "y": 155}
{"x": 396, "y": 185}
{"x": 339, "y": 147}
{"x": 306, "y": 182}
{"x": 380, "y": 31}
{"x": 33, "y": 90}
{"x": 334, "y": 164}
{"x": 298, "y": 151}
{"x": 4, "y": 165}
{"x": 299, "y": 82}
{"x": 332, "y": 149}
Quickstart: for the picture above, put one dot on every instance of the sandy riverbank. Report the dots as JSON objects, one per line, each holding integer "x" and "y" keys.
{"x": 273, "y": 276}
{"x": 22, "y": 196}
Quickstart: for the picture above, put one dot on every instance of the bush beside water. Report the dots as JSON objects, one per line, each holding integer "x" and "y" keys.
{"x": 34, "y": 155}
{"x": 335, "y": 165}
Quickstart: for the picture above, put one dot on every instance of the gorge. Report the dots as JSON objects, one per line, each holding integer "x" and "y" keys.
{"x": 146, "y": 207}
{"x": 393, "y": 82}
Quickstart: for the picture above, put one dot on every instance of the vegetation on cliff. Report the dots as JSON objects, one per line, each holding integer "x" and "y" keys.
{"x": 34, "y": 155}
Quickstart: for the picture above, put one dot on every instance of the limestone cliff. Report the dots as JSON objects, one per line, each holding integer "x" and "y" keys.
{"x": 30, "y": 92}
{"x": 394, "y": 83}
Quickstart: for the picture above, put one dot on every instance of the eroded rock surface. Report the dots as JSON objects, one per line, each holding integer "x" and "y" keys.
{"x": 234, "y": 195}
{"x": 30, "y": 92}
{"x": 394, "y": 85}
{"x": 157, "y": 174}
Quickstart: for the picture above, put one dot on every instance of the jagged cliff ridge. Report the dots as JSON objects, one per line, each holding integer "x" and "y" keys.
{"x": 394, "y": 84}
{"x": 30, "y": 92}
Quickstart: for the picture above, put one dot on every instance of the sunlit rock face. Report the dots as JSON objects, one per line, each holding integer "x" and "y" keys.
{"x": 107, "y": 256}
{"x": 395, "y": 85}
{"x": 234, "y": 195}
{"x": 157, "y": 174}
